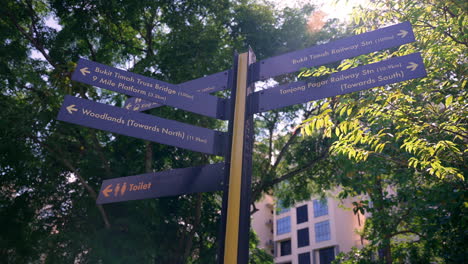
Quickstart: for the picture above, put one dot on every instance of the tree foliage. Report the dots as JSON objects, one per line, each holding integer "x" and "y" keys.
{"x": 50, "y": 171}
{"x": 402, "y": 148}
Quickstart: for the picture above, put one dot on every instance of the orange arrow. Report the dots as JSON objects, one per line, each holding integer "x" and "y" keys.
{"x": 107, "y": 190}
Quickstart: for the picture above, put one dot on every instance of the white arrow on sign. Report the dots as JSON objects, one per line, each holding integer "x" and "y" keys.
{"x": 84, "y": 71}
{"x": 412, "y": 66}
{"x": 402, "y": 33}
{"x": 71, "y": 109}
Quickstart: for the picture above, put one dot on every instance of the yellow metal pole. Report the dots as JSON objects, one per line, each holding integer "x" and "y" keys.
{"x": 234, "y": 197}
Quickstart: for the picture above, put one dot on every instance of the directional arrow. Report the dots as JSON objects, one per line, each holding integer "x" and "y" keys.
{"x": 84, "y": 71}
{"x": 128, "y": 106}
{"x": 107, "y": 190}
{"x": 71, "y": 109}
{"x": 402, "y": 33}
{"x": 412, "y": 66}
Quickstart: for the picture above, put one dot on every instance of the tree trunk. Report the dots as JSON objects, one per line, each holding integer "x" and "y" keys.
{"x": 148, "y": 157}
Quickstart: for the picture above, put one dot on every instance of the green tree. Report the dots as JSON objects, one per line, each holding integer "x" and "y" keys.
{"x": 50, "y": 171}
{"x": 404, "y": 146}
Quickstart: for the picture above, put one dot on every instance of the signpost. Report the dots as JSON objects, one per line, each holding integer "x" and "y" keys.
{"x": 114, "y": 119}
{"x": 208, "y": 84}
{"x": 237, "y": 144}
{"x": 208, "y": 178}
{"x": 235, "y": 247}
{"x": 133, "y": 84}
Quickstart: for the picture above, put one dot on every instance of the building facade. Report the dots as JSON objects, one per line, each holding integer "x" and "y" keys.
{"x": 262, "y": 223}
{"x": 311, "y": 232}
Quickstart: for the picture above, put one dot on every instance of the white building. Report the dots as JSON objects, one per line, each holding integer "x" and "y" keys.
{"x": 311, "y": 232}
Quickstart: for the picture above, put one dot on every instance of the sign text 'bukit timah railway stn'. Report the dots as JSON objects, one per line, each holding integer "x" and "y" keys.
{"x": 384, "y": 38}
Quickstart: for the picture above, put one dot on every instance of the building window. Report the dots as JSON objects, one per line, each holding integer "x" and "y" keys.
{"x": 327, "y": 255}
{"x": 285, "y": 248}
{"x": 322, "y": 231}
{"x": 304, "y": 258}
{"x": 283, "y": 225}
{"x": 302, "y": 237}
{"x": 280, "y": 208}
{"x": 301, "y": 214}
{"x": 320, "y": 208}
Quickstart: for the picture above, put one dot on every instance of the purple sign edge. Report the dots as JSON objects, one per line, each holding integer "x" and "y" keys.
{"x": 270, "y": 99}
{"x": 214, "y": 143}
{"x": 192, "y": 85}
{"x": 206, "y": 178}
{"x": 218, "y": 82}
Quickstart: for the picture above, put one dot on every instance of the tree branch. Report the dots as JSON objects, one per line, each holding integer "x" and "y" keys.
{"x": 195, "y": 225}
{"x": 91, "y": 50}
{"x": 445, "y": 33}
{"x": 265, "y": 185}
{"x": 33, "y": 40}
{"x": 254, "y": 208}
{"x": 406, "y": 232}
{"x": 60, "y": 156}
{"x": 408, "y": 116}
{"x": 289, "y": 142}
{"x": 98, "y": 148}
{"x": 386, "y": 157}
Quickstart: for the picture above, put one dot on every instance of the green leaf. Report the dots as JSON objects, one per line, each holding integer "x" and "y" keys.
{"x": 324, "y": 106}
{"x": 337, "y": 131}
{"x": 448, "y": 100}
{"x": 343, "y": 110}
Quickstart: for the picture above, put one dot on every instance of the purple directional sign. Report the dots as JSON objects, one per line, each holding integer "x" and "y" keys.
{"x": 379, "y": 39}
{"x": 206, "y": 178}
{"x": 114, "y": 119}
{"x": 390, "y": 71}
{"x": 140, "y": 86}
{"x": 208, "y": 84}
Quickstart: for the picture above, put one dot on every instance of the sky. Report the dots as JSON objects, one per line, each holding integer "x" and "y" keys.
{"x": 342, "y": 10}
